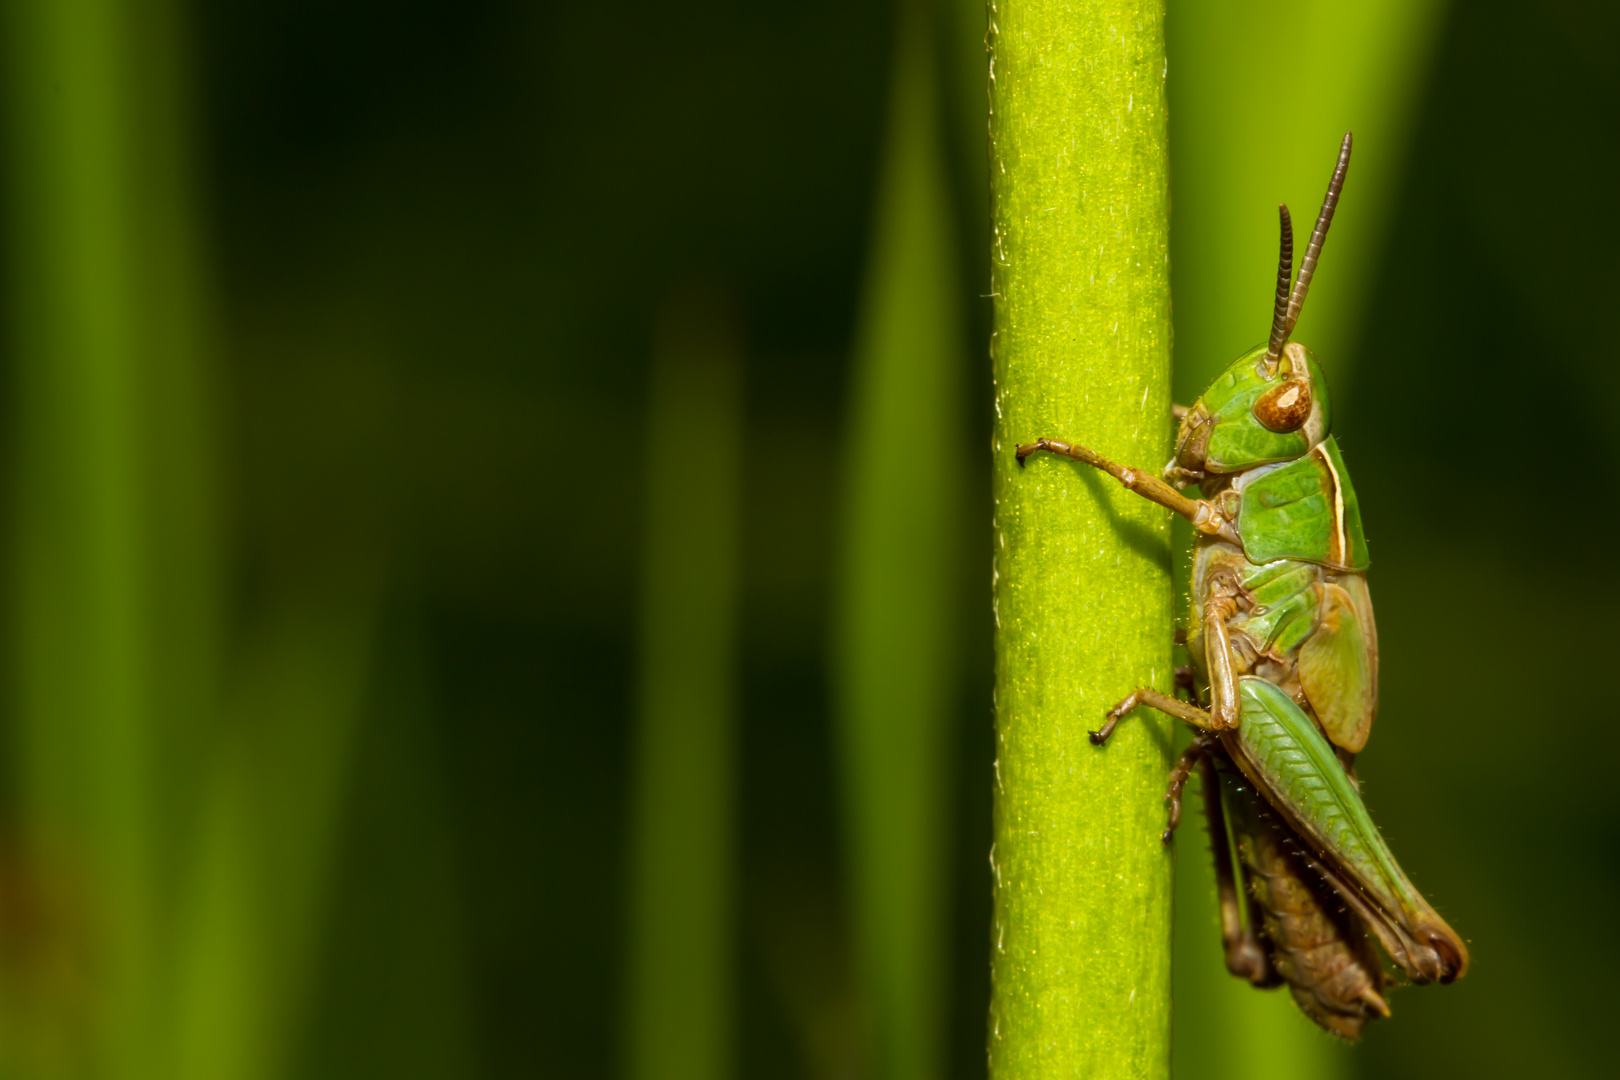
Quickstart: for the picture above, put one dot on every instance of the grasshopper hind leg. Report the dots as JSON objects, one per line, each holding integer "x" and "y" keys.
{"x": 1247, "y": 956}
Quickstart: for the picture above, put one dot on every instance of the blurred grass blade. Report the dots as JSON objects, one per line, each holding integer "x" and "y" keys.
{"x": 261, "y": 873}
{"x": 1241, "y": 144}
{"x": 683, "y": 870}
{"x": 898, "y": 618}
{"x": 115, "y": 548}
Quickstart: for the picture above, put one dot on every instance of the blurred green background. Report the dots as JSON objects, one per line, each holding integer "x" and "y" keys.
{"x": 454, "y": 459}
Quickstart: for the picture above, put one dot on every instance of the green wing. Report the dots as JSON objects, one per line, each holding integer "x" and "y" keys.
{"x": 1338, "y": 664}
{"x": 1279, "y": 747}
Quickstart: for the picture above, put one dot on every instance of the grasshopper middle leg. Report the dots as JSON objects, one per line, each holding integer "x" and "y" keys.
{"x": 1223, "y": 712}
{"x": 1185, "y": 680}
{"x": 1219, "y": 604}
{"x": 1185, "y": 764}
{"x": 1153, "y": 699}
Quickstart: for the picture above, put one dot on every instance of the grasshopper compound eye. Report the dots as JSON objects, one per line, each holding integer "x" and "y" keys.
{"x": 1285, "y": 407}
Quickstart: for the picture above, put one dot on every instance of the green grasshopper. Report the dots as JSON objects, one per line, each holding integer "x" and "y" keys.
{"x": 1285, "y": 654}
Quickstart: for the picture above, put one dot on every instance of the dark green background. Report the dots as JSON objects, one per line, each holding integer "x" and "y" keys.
{"x": 441, "y": 232}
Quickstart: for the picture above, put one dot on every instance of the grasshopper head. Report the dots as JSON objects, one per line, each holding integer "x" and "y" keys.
{"x": 1272, "y": 403}
{"x": 1255, "y": 414}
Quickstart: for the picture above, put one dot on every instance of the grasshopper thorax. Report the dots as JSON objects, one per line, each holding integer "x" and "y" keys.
{"x": 1254, "y": 414}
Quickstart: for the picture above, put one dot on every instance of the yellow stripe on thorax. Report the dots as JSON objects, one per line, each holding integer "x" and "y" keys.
{"x": 1338, "y": 554}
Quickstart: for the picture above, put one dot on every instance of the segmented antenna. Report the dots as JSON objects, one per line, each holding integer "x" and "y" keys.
{"x": 1285, "y": 274}
{"x": 1313, "y": 251}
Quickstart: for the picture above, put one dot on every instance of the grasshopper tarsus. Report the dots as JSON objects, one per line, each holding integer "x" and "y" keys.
{"x": 1051, "y": 446}
{"x": 1117, "y": 713}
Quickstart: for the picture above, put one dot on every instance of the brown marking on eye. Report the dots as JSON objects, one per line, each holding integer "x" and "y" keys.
{"x": 1285, "y": 407}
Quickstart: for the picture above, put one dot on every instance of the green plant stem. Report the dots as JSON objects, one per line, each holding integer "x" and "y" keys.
{"x": 899, "y": 614}
{"x": 680, "y": 1008}
{"x": 1081, "y": 348}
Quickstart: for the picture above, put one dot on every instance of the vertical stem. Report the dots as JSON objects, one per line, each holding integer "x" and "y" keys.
{"x": 680, "y": 935}
{"x": 1079, "y": 171}
{"x": 899, "y": 614}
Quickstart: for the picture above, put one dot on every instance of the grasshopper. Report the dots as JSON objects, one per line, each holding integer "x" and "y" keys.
{"x": 1284, "y": 655}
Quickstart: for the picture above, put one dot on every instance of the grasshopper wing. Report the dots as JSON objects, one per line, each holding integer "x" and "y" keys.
{"x": 1279, "y": 748}
{"x": 1338, "y": 663}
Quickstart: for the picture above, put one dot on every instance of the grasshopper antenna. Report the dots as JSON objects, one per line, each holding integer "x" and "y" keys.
{"x": 1307, "y": 265}
{"x": 1285, "y": 274}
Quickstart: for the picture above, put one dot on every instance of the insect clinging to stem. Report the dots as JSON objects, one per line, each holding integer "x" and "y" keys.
{"x": 1284, "y": 675}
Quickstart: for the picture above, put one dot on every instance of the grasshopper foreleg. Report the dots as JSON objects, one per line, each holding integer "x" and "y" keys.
{"x": 1203, "y": 514}
{"x": 1219, "y": 604}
